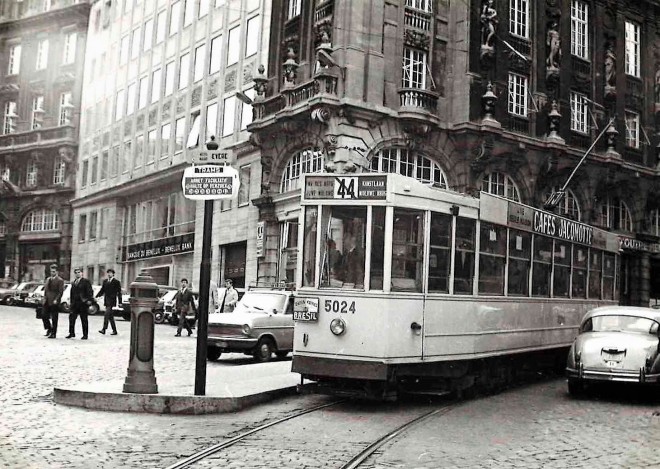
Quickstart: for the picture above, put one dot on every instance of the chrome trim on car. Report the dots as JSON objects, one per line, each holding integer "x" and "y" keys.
{"x": 617, "y": 376}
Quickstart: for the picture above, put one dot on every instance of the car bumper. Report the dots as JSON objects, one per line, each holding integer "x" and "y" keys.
{"x": 232, "y": 343}
{"x": 612, "y": 375}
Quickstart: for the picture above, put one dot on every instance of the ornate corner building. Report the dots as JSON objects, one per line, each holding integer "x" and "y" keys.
{"x": 501, "y": 96}
{"x": 42, "y": 44}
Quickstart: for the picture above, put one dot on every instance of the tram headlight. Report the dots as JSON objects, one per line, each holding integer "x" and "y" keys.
{"x": 337, "y": 326}
{"x": 246, "y": 329}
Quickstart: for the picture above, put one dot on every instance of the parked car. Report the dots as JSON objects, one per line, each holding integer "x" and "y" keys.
{"x": 615, "y": 343}
{"x": 21, "y": 293}
{"x": 124, "y": 309}
{"x": 260, "y": 325}
{"x": 159, "y": 310}
{"x": 36, "y": 296}
{"x": 7, "y": 289}
{"x": 65, "y": 302}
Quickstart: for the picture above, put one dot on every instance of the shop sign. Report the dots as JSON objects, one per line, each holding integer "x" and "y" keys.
{"x": 159, "y": 247}
{"x": 260, "y": 238}
{"x": 548, "y": 224}
{"x": 632, "y": 244}
{"x": 346, "y": 187}
{"x": 209, "y": 182}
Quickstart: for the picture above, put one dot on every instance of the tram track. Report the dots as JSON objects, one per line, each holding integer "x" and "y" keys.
{"x": 369, "y": 448}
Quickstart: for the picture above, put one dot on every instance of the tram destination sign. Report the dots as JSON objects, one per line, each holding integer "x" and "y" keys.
{"x": 346, "y": 187}
{"x": 209, "y": 182}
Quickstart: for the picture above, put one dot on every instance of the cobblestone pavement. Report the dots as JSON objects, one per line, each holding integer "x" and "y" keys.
{"x": 537, "y": 425}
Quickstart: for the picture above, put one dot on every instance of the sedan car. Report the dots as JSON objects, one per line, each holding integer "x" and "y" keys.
{"x": 65, "y": 302}
{"x": 21, "y": 293}
{"x": 260, "y": 325}
{"x": 7, "y": 289}
{"x": 36, "y": 296}
{"x": 615, "y": 343}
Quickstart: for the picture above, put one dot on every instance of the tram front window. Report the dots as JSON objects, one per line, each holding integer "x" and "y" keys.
{"x": 407, "y": 250}
{"x": 464, "y": 258}
{"x": 440, "y": 252}
{"x": 309, "y": 246}
{"x": 343, "y": 247}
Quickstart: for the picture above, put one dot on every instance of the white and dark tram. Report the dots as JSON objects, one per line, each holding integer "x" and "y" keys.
{"x": 401, "y": 285}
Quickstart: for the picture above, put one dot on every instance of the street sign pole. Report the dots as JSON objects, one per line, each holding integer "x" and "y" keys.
{"x": 204, "y": 284}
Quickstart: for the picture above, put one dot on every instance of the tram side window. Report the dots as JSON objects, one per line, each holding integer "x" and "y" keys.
{"x": 343, "y": 247}
{"x": 608, "y": 276}
{"x": 309, "y": 247}
{"x": 492, "y": 258}
{"x": 520, "y": 247}
{"x": 542, "y": 267}
{"x": 377, "y": 248}
{"x": 595, "y": 269}
{"x": 561, "y": 277}
{"x": 464, "y": 256}
{"x": 407, "y": 250}
{"x": 440, "y": 253}
{"x": 579, "y": 284}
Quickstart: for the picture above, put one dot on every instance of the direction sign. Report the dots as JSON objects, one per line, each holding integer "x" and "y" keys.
{"x": 203, "y": 156}
{"x": 209, "y": 182}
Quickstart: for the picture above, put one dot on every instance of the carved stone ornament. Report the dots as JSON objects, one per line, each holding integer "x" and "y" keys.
{"x": 321, "y": 115}
{"x": 489, "y": 22}
{"x": 416, "y": 39}
{"x": 553, "y": 45}
{"x": 610, "y": 73}
{"x": 290, "y": 68}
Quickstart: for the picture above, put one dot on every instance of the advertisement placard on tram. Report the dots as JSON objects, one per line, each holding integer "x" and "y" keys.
{"x": 367, "y": 187}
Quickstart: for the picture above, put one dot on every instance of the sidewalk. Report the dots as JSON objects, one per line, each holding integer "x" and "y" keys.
{"x": 228, "y": 389}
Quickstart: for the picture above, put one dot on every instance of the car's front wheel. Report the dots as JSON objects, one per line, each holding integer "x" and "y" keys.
{"x": 575, "y": 387}
{"x": 213, "y": 353}
{"x": 264, "y": 350}
{"x": 159, "y": 317}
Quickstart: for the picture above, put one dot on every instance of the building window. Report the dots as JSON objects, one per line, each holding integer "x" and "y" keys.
{"x": 135, "y": 43}
{"x": 31, "y": 174}
{"x": 93, "y": 221}
{"x": 169, "y": 78}
{"x": 155, "y": 85}
{"x": 70, "y": 41}
{"x": 152, "y": 136}
{"x": 203, "y": 8}
{"x": 6, "y": 173}
{"x": 148, "y": 34}
{"x": 234, "y": 46}
{"x": 161, "y": 26}
{"x": 193, "y": 136}
{"x": 119, "y": 104}
{"x": 41, "y": 219}
{"x": 632, "y": 129}
{"x": 211, "y": 119}
{"x": 3, "y": 228}
{"x": 579, "y": 112}
{"x": 200, "y": 56}
{"x": 216, "y": 51}
{"x": 414, "y": 68}
{"x": 84, "y": 173}
{"x": 500, "y": 184}
{"x": 246, "y": 110}
{"x": 580, "y": 29}
{"x": 252, "y": 36}
{"x": 42, "y": 55}
{"x": 184, "y": 71}
{"x": 82, "y": 228}
{"x": 139, "y": 151}
{"x": 127, "y": 156}
{"x": 304, "y": 162}
{"x": 123, "y": 50}
{"x": 228, "y": 116}
{"x": 519, "y": 18}
{"x": 104, "y": 165}
{"x": 95, "y": 170}
{"x": 653, "y": 222}
{"x": 46, "y": 5}
{"x": 569, "y": 205}
{"x": 165, "y": 134}
{"x": 180, "y": 134}
{"x": 424, "y": 5}
{"x": 404, "y": 162}
{"x": 104, "y": 217}
{"x": 14, "y": 64}
{"x": 9, "y": 124}
{"x": 59, "y": 172}
{"x": 188, "y": 13}
{"x": 244, "y": 189}
{"x": 175, "y": 17}
{"x": 37, "y": 112}
{"x": 114, "y": 161}
{"x": 632, "y": 49}
{"x": 130, "y": 99}
{"x": 614, "y": 214}
{"x": 143, "y": 95}
{"x": 293, "y": 9}
{"x": 66, "y": 109}
{"x": 518, "y": 95}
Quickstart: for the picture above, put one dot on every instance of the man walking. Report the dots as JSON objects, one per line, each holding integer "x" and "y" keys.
{"x": 81, "y": 298}
{"x": 184, "y": 302}
{"x": 51, "y": 306}
{"x": 231, "y": 296}
{"x": 111, "y": 289}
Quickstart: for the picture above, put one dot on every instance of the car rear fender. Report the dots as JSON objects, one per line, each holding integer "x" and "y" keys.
{"x": 268, "y": 335}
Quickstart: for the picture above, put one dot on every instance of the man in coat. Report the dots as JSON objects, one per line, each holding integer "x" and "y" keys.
{"x": 231, "y": 296}
{"x": 111, "y": 291}
{"x": 82, "y": 297}
{"x": 184, "y": 302}
{"x": 53, "y": 290}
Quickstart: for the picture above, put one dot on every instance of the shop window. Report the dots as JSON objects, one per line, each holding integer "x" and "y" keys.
{"x": 464, "y": 256}
{"x": 520, "y": 248}
{"x": 561, "y": 277}
{"x": 595, "y": 273}
{"x": 608, "y": 276}
{"x": 288, "y": 251}
{"x": 542, "y": 266}
{"x": 234, "y": 263}
{"x": 492, "y": 259}
{"x": 579, "y": 278}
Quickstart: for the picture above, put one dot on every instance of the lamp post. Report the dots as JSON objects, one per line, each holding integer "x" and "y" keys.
{"x": 204, "y": 283}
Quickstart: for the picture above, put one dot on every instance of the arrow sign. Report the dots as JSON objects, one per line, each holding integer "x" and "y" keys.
{"x": 210, "y": 182}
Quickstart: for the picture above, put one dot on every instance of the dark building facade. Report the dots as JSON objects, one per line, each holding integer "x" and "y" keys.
{"x": 501, "y": 96}
{"x": 42, "y": 46}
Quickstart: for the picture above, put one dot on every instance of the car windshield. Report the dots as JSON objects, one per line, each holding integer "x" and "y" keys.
{"x": 615, "y": 323}
{"x": 256, "y": 302}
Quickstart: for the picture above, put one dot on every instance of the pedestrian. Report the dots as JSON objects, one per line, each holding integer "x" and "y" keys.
{"x": 231, "y": 296}
{"x": 111, "y": 291}
{"x": 82, "y": 296}
{"x": 184, "y": 302}
{"x": 51, "y": 304}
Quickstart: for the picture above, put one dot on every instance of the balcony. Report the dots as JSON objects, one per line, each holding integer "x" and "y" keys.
{"x": 38, "y": 137}
{"x": 418, "y": 100}
{"x": 517, "y": 124}
{"x": 417, "y": 19}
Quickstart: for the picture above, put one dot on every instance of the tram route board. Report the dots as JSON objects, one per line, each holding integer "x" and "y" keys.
{"x": 346, "y": 187}
{"x": 209, "y": 182}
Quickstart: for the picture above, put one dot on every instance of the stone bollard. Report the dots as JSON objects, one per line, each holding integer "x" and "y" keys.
{"x": 140, "y": 376}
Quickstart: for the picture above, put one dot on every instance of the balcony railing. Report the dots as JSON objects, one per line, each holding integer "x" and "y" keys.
{"x": 38, "y": 136}
{"x": 516, "y": 124}
{"x": 417, "y": 19}
{"x": 418, "y": 99}
{"x": 323, "y": 10}
{"x": 580, "y": 66}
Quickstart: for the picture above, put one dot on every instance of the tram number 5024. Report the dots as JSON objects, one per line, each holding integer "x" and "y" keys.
{"x": 336, "y": 306}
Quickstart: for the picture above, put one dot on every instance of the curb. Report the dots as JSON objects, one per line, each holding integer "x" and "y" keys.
{"x": 163, "y": 404}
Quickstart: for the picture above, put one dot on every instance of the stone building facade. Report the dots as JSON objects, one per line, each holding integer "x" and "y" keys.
{"x": 41, "y": 66}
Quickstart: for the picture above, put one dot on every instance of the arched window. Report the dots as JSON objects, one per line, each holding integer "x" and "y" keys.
{"x": 303, "y": 162}
{"x": 569, "y": 205}
{"x": 405, "y": 162}
{"x": 500, "y": 184}
{"x": 614, "y": 214}
{"x": 653, "y": 222}
{"x": 41, "y": 219}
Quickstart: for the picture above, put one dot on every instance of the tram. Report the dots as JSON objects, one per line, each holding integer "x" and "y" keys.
{"x": 400, "y": 283}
